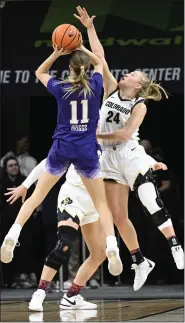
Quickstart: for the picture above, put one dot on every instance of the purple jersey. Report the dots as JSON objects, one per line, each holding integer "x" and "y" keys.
{"x": 77, "y": 117}
{"x": 75, "y": 134}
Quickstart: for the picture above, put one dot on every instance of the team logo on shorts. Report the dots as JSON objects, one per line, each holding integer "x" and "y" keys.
{"x": 66, "y": 201}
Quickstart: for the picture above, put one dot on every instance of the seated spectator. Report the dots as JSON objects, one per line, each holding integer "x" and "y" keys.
{"x": 26, "y": 162}
{"x": 1, "y": 177}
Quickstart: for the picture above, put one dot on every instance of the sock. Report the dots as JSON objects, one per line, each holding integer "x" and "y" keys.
{"x": 137, "y": 256}
{"x": 111, "y": 241}
{"x": 16, "y": 227}
{"x": 74, "y": 290}
{"x": 173, "y": 241}
{"x": 43, "y": 284}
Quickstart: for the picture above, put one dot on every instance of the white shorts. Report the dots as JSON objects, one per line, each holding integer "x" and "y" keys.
{"x": 124, "y": 162}
{"x": 77, "y": 202}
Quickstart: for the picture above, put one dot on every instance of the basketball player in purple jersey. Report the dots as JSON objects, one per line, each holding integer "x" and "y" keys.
{"x": 78, "y": 99}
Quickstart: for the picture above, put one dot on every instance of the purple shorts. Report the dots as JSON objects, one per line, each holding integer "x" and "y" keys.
{"x": 62, "y": 155}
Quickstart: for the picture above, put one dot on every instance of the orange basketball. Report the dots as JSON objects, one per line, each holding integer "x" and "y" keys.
{"x": 66, "y": 36}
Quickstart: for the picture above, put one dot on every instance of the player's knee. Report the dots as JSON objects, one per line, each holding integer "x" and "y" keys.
{"x": 102, "y": 256}
{"x": 120, "y": 216}
{"x": 60, "y": 254}
{"x": 97, "y": 257}
{"x": 148, "y": 197}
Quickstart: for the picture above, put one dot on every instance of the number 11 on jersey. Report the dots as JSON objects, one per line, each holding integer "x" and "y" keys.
{"x": 74, "y": 106}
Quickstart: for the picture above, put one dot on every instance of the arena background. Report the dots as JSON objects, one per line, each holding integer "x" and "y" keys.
{"x": 132, "y": 39}
{"x": 136, "y": 34}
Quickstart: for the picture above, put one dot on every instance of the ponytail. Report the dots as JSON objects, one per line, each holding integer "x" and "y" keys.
{"x": 151, "y": 90}
{"x": 80, "y": 82}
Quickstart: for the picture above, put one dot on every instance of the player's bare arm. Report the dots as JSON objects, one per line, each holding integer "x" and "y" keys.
{"x": 110, "y": 83}
{"x": 97, "y": 63}
{"x": 132, "y": 124}
{"x": 42, "y": 73}
{"x": 87, "y": 21}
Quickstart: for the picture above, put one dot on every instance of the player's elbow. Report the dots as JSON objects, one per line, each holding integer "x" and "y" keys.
{"x": 99, "y": 54}
{"x": 37, "y": 73}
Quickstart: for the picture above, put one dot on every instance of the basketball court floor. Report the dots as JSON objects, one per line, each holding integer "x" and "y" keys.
{"x": 107, "y": 311}
{"x": 151, "y": 304}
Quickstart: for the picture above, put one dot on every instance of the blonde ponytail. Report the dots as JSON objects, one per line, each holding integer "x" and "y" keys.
{"x": 151, "y": 90}
{"x": 80, "y": 63}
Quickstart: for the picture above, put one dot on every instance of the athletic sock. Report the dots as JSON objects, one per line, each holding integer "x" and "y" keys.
{"x": 173, "y": 241}
{"x": 137, "y": 256}
{"x": 111, "y": 242}
{"x": 74, "y": 290}
{"x": 43, "y": 284}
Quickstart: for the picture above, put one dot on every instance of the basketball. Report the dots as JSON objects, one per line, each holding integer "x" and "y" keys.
{"x": 66, "y": 36}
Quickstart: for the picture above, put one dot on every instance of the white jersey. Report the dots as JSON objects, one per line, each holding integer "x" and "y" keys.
{"x": 73, "y": 178}
{"x": 114, "y": 114}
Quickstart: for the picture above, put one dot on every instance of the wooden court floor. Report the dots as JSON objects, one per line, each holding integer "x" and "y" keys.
{"x": 164, "y": 310}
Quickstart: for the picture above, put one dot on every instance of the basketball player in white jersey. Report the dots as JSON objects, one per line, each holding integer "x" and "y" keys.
{"x": 124, "y": 162}
{"x": 74, "y": 204}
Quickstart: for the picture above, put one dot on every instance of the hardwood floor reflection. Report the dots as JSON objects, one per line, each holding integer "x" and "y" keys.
{"x": 107, "y": 311}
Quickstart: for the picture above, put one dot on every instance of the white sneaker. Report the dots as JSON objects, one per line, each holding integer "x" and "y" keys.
{"x": 178, "y": 255}
{"x": 76, "y": 302}
{"x": 141, "y": 272}
{"x": 8, "y": 246}
{"x": 77, "y": 315}
{"x": 36, "y": 303}
{"x": 115, "y": 265}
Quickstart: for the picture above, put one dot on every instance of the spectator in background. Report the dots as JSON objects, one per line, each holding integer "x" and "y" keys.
{"x": 22, "y": 265}
{"x": 147, "y": 146}
{"x": 26, "y": 162}
{"x": 1, "y": 178}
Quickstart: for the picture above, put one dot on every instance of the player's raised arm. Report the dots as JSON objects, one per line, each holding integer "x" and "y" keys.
{"x": 96, "y": 62}
{"x": 110, "y": 83}
{"x": 42, "y": 73}
{"x": 87, "y": 21}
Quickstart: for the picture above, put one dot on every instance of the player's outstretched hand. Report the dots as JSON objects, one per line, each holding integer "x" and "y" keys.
{"x": 84, "y": 17}
{"x": 60, "y": 52}
{"x": 15, "y": 193}
{"x": 159, "y": 166}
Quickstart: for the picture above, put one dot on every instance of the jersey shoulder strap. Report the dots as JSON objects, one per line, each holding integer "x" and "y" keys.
{"x": 113, "y": 92}
{"x": 139, "y": 100}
